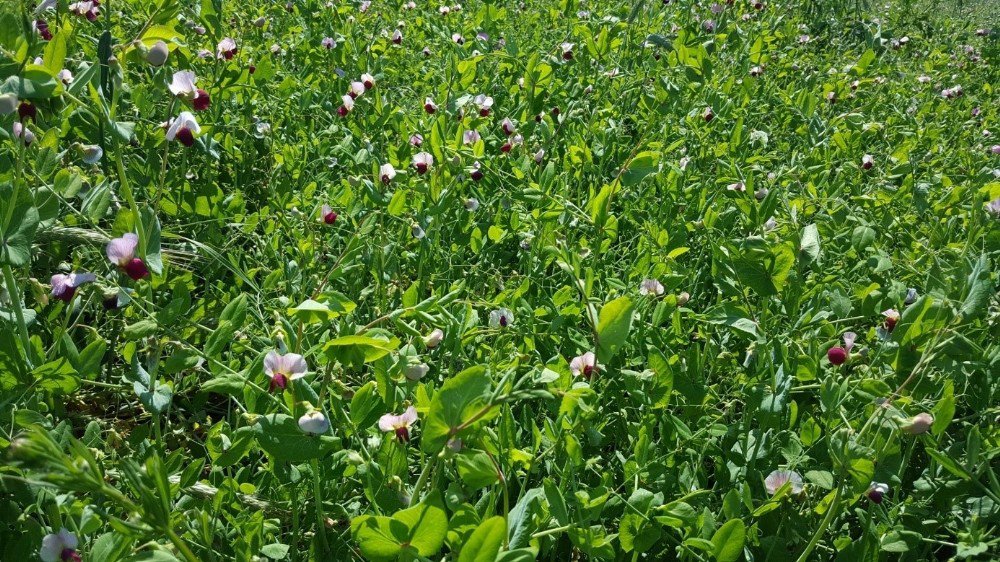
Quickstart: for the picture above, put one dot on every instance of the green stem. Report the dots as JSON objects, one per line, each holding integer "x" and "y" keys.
{"x": 422, "y": 480}
{"x": 182, "y": 546}
{"x": 15, "y": 300}
{"x": 320, "y": 517}
{"x": 830, "y": 513}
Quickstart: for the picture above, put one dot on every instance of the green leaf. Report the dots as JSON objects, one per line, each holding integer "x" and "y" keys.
{"x": 949, "y": 464}
{"x": 313, "y": 312}
{"x": 279, "y": 435}
{"x": 809, "y": 244}
{"x": 980, "y": 287}
{"x": 427, "y": 523}
{"x": 734, "y": 317}
{"x": 57, "y": 376}
{"x": 357, "y": 350}
{"x": 476, "y": 469}
{"x": 644, "y": 164}
{"x": 380, "y": 538}
{"x": 153, "y": 394}
{"x": 366, "y": 405}
{"x": 613, "y": 326}
{"x": 275, "y": 551}
{"x": 459, "y": 399}
{"x": 16, "y": 237}
{"x": 728, "y": 541}
{"x": 485, "y": 542}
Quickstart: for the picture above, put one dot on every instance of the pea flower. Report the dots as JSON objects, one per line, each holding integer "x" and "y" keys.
{"x": 585, "y": 365}
{"x": 328, "y": 43}
{"x": 891, "y": 317}
{"x": 183, "y": 84}
{"x": 458, "y": 39}
{"x": 508, "y": 126}
{"x": 23, "y": 133}
{"x": 65, "y": 76}
{"x": 327, "y": 214}
{"x": 158, "y": 54}
{"x": 471, "y": 137}
{"x": 399, "y": 424}
{"x": 314, "y": 423}
{"x": 397, "y": 37}
{"x": 283, "y": 368}
{"x": 434, "y": 338}
{"x": 121, "y": 252}
{"x": 42, "y": 27}
{"x": 416, "y": 139}
{"x": 567, "y": 51}
{"x": 501, "y": 318}
{"x": 429, "y": 105}
{"x": 422, "y": 161}
{"x": 876, "y": 492}
{"x": 386, "y": 173}
{"x": 911, "y": 296}
{"x": 471, "y": 204}
{"x": 838, "y": 355}
{"x": 89, "y": 10}
{"x": 918, "y": 424}
{"x": 778, "y": 478}
{"x": 8, "y": 104}
{"x": 477, "y": 172}
{"x": 92, "y": 153}
{"x": 867, "y": 161}
{"x": 650, "y": 287}
{"x": 64, "y": 286}
{"x": 356, "y": 89}
{"x": 416, "y": 371}
{"x": 993, "y": 207}
{"x": 368, "y": 80}
{"x": 417, "y": 231}
{"x": 348, "y": 105}
{"x": 226, "y": 49}
{"x": 708, "y": 114}
{"x": 183, "y": 129}
{"x": 485, "y": 103}
{"x": 59, "y": 547}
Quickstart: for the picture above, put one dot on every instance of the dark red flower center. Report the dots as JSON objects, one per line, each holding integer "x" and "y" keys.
{"x": 136, "y": 269}
{"x": 278, "y": 380}
{"x": 330, "y": 217}
{"x": 201, "y": 100}
{"x": 185, "y": 136}
{"x": 421, "y": 168}
{"x": 837, "y": 355}
{"x": 69, "y": 555}
{"x": 503, "y": 321}
{"x": 403, "y": 434}
{"x": 67, "y": 294}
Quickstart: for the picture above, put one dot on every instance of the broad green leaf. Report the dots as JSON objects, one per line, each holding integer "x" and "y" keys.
{"x": 613, "y": 326}
{"x": 485, "y": 542}
{"x": 728, "y": 541}
{"x": 454, "y": 407}
{"x": 279, "y": 435}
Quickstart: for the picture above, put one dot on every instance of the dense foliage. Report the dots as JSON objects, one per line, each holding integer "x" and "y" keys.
{"x": 554, "y": 280}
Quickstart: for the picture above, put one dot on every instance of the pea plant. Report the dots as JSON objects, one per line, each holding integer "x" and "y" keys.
{"x": 499, "y": 281}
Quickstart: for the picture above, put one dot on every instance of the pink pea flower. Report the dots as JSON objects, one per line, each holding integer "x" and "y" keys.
{"x": 508, "y": 126}
{"x": 778, "y": 478}
{"x": 501, "y": 318}
{"x": 877, "y": 491}
{"x": 838, "y": 355}
{"x": 891, "y": 317}
{"x": 183, "y": 84}
{"x": 24, "y": 133}
{"x": 386, "y": 173}
{"x": 429, "y": 105}
{"x": 397, "y": 37}
{"x": 226, "y": 49}
{"x": 59, "y": 547}
{"x": 328, "y": 43}
{"x": 368, "y": 80}
{"x": 567, "y": 51}
{"x": 993, "y": 207}
{"x": 346, "y": 106}
{"x": 356, "y": 89}
{"x": 416, "y": 139}
{"x": 399, "y": 424}
{"x": 650, "y": 287}
{"x": 422, "y": 161}
{"x": 584, "y": 365}
{"x": 918, "y": 424}
{"x": 314, "y": 423}
{"x": 867, "y": 161}
{"x": 183, "y": 129}
{"x": 64, "y": 286}
{"x": 283, "y": 368}
{"x": 434, "y": 338}
{"x": 471, "y": 137}
{"x": 328, "y": 215}
{"x": 485, "y": 103}
{"x": 477, "y": 172}
{"x": 121, "y": 252}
